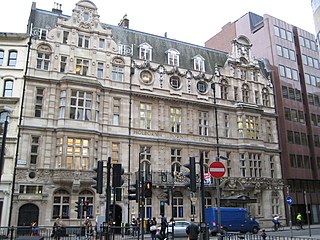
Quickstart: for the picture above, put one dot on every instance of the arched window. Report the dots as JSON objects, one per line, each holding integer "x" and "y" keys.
{"x": 176, "y": 160}
{"x": 61, "y": 204}
{"x": 43, "y": 58}
{"x": 8, "y": 88}
{"x": 12, "y": 60}
{"x": 86, "y": 197}
{"x": 145, "y": 161}
{"x": 265, "y": 97}
{"x": 177, "y": 205}
{"x": 173, "y": 57}
{"x": 118, "y": 70}
{"x": 245, "y": 93}
{"x": 145, "y": 52}
{"x": 224, "y": 89}
{"x": 198, "y": 63}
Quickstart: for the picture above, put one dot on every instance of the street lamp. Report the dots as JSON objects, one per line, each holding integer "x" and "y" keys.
{"x": 218, "y": 75}
{"x": 4, "y": 118}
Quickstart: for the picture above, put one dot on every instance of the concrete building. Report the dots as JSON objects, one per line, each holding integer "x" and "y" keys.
{"x": 95, "y": 91}
{"x": 294, "y": 59}
{"x": 13, "y": 59}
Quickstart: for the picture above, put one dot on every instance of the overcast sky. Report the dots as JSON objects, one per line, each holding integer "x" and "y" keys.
{"x": 189, "y": 21}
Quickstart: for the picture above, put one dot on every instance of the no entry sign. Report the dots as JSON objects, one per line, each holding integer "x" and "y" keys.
{"x": 217, "y": 169}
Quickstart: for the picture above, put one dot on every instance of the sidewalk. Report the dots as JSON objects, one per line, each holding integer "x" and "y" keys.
{"x": 306, "y": 228}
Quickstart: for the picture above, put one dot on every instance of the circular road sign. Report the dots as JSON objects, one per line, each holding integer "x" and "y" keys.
{"x": 289, "y": 200}
{"x": 217, "y": 169}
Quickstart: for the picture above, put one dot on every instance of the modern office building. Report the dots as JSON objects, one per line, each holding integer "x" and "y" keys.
{"x": 95, "y": 91}
{"x": 294, "y": 59}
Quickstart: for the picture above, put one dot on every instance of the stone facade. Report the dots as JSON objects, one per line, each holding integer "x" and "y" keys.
{"x": 108, "y": 91}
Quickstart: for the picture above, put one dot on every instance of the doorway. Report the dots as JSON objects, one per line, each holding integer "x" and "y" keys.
{"x": 27, "y": 214}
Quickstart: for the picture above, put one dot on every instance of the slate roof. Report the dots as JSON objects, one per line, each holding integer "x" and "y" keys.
{"x": 48, "y": 20}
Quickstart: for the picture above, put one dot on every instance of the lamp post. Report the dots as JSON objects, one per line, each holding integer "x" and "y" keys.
{"x": 217, "y": 74}
{"x": 5, "y": 120}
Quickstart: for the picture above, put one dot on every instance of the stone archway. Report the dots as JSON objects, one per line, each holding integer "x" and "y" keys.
{"x": 27, "y": 214}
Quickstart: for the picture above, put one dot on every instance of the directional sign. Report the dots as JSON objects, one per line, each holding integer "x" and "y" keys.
{"x": 289, "y": 200}
{"x": 217, "y": 169}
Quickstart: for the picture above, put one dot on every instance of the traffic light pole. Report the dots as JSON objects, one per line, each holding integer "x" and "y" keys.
{"x": 172, "y": 208}
{"x": 108, "y": 197}
{"x": 203, "y": 207}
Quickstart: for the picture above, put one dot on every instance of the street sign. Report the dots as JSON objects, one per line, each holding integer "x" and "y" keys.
{"x": 217, "y": 169}
{"x": 289, "y": 200}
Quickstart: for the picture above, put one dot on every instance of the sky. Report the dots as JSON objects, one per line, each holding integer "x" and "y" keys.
{"x": 187, "y": 21}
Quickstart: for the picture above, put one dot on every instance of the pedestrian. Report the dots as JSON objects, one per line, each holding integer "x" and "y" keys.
{"x": 193, "y": 230}
{"x": 263, "y": 234}
{"x": 88, "y": 227}
{"x": 153, "y": 228}
{"x": 134, "y": 226}
{"x": 57, "y": 229}
{"x": 299, "y": 220}
{"x": 34, "y": 229}
{"x": 164, "y": 225}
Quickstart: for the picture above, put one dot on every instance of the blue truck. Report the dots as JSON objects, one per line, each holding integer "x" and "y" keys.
{"x": 232, "y": 220}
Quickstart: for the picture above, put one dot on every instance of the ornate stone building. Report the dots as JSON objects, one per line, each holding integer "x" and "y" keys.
{"x": 95, "y": 91}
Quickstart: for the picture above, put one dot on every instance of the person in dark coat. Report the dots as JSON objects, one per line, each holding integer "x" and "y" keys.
{"x": 193, "y": 230}
{"x": 164, "y": 225}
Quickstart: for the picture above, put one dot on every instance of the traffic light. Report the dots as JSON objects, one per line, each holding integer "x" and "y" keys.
{"x": 166, "y": 196}
{"x": 118, "y": 171}
{"x": 148, "y": 189}
{"x": 99, "y": 177}
{"x": 191, "y": 174}
{"x": 78, "y": 207}
{"x": 133, "y": 193}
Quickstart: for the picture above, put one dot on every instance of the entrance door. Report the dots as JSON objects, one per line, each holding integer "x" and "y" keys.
{"x": 27, "y": 214}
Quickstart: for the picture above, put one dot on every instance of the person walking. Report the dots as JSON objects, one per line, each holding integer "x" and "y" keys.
{"x": 193, "y": 230}
{"x": 88, "y": 228}
{"x": 164, "y": 225}
{"x": 153, "y": 228}
{"x": 34, "y": 229}
{"x": 134, "y": 226}
{"x": 299, "y": 220}
{"x": 57, "y": 229}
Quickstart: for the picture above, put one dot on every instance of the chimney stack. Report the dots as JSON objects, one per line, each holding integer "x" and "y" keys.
{"x": 124, "y": 22}
{"x": 57, "y": 8}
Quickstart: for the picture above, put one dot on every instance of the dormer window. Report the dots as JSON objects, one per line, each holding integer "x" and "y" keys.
{"x": 173, "y": 57}
{"x": 145, "y": 52}
{"x": 198, "y": 63}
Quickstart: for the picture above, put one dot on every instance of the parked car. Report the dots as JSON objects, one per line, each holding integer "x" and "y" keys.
{"x": 179, "y": 229}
